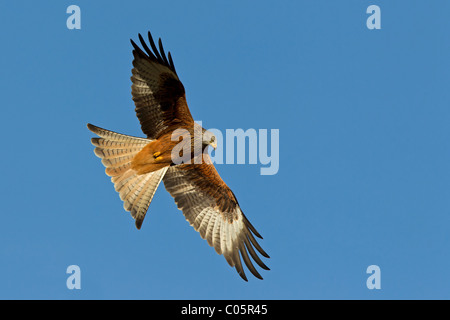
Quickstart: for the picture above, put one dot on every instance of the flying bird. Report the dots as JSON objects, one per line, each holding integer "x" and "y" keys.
{"x": 138, "y": 165}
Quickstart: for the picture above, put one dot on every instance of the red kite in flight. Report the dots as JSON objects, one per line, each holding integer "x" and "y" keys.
{"x": 137, "y": 165}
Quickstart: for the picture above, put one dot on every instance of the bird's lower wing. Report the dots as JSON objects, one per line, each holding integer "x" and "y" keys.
{"x": 211, "y": 208}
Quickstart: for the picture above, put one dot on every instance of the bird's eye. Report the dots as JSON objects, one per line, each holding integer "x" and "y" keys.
{"x": 213, "y": 139}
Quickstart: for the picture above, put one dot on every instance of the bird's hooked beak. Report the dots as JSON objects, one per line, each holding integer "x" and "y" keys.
{"x": 214, "y": 145}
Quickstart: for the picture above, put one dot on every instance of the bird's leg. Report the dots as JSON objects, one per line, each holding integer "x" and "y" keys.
{"x": 156, "y": 155}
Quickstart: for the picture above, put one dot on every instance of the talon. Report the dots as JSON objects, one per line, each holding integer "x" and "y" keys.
{"x": 156, "y": 154}
{"x": 158, "y": 158}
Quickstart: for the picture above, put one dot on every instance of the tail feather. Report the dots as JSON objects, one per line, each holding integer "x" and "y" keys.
{"x": 117, "y": 151}
{"x": 110, "y": 144}
{"x": 143, "y": 200}
{"x": 116, "y": 161}
{"x": 131, "y": 188}
{"x": 121, "y": 181}
{"x": 114, "y": 136}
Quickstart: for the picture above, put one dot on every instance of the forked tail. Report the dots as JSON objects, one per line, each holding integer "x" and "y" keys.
{"x": 117, "y": 151}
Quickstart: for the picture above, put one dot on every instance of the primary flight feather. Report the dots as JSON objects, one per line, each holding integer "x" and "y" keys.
{"x": 138, "y": 165}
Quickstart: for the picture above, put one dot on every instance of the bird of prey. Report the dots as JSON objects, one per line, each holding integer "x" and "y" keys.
{"x": 138, "y": 165}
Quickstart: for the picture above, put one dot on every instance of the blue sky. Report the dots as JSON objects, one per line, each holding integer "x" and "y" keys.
{"x": 364, "y": 174}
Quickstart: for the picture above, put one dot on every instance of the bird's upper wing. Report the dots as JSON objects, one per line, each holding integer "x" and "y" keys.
{"x": 157, "y": 91}
{"x": 212, "y": 209}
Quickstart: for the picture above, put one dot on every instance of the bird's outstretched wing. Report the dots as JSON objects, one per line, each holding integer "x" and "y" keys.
{"x": 211, "y": 208}
{"x": 157, "y": 91}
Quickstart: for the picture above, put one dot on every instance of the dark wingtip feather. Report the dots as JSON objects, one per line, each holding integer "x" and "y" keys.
{"x": 242, "y": 275}
{"x": 247, "y": 260}
{"x": 152, "y": 44}
{"x": 172, "y": 65}
{"x": 135, "y": 46}
{"x": 238, "y": 264}
{"x": 146, "y": 48}
{"x": 253, "y": 253}
{"x": 153, "y": 53}
{"x": 251, "y": 227}
{"x": 161, "y": 50}
{"x": 256, "y": 244}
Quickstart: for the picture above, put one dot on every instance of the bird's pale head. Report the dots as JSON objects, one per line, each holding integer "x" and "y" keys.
{"x": 209, "y": 139}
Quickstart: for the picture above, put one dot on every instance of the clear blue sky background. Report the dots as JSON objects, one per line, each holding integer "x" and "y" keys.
{"x": 364, "y": 148}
